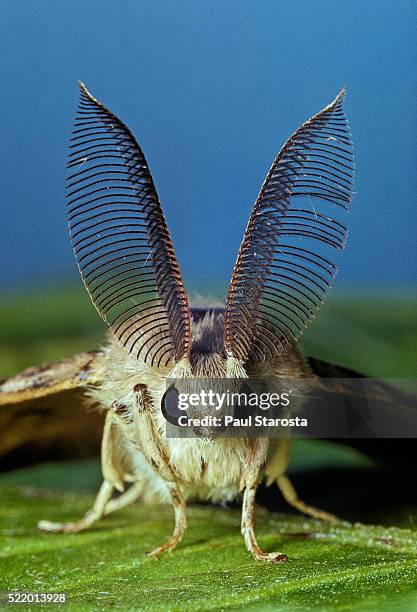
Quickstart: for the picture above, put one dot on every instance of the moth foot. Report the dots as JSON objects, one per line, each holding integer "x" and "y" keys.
{"x": 170, "y": 545}
{"x": 273, "y": 557}
{"x": 51, "y": 527}
{"x": 259, "y": 554}
{"x": 74, "y": 527}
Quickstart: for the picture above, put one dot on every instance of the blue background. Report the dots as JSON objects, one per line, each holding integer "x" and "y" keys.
{"x": 211, "y": 90}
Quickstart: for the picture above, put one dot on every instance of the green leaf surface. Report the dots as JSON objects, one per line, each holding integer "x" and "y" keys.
{"x": 346, "y": 567}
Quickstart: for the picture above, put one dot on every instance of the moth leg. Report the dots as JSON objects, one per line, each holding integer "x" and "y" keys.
{"x": 291, "y": 497}
{"x": 132, "y": 494}
{"x": 251, "y": 473}
{"x": 96, "y": 512}
{"x": 248, "y": 530}
{"x": 276, "y": 472}
{"x": 180, "y": 522}
{"x": 154, "y": 450}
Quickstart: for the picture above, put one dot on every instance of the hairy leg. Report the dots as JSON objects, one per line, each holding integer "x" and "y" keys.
{"x": 133, "y": 493}
{"x": 248, "y": 530}
{"x": 180, "y": 523}
{"x": 103, "y": 506}
{"x": 113, "y": 477}
{"x": 87, "y": 520}
{"x": 275, "y": 472}
{"x": 153, "y": 448}
{"x": 291, "y": 497}
{"x": 251, "y": 473}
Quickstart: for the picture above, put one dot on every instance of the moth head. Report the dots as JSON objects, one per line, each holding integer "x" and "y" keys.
{"x": 284, "y": 268}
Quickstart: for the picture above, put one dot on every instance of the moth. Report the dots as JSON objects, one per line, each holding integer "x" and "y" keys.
{"x": 123, "y": 249}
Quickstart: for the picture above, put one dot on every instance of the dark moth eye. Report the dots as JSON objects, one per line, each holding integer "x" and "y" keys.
{"x": 169, "y": 406}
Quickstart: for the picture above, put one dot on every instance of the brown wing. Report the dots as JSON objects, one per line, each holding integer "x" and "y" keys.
{"x": 395, "y": 404}
{"x": 42, "y": 414}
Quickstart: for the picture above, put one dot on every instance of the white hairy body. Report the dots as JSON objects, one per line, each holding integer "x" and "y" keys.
{"x": 204, "y": 469}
